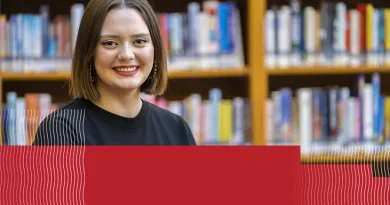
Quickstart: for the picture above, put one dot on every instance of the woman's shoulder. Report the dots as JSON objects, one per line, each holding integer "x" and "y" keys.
{"x": 61, "y": 125}
{"x": 68, "y": 112}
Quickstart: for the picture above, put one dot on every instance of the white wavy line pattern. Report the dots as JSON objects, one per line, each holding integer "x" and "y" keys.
{"x": 345, "y": 179}
{"x": 44, "y": 174}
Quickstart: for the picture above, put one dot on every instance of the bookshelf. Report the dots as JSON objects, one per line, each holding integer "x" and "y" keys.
{"x": 322, "y": 70}
{"x": 312, "y": 50}
{"x": 258, "y": 79}
{"x": 233, "y": 80}
{"x": 214, "y": 73}
{"x": 9, "y": 76}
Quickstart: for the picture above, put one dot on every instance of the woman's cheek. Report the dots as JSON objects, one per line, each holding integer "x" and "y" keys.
{"x": 147, "y": 53}
{"x": 105, "y": 56}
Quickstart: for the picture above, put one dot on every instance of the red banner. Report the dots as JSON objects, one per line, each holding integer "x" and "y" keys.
{"x": 181, "y": 175}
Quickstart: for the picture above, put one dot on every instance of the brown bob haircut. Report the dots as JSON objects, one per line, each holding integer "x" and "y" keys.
{"x": 88, "y": 37}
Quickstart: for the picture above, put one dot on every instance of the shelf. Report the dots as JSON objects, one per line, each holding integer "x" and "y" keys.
{"x": 213, "y": 73}
{"x": 217, "y": 73}
{"x": 36, "y": 76}
{"x": 350, "y": 159}
{"x": 322, "y": 70}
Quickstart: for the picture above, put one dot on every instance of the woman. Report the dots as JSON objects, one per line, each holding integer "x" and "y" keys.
{"x": 118, "y": 54}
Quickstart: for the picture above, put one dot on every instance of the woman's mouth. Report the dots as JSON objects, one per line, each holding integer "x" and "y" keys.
{"x": 126, "y": 70}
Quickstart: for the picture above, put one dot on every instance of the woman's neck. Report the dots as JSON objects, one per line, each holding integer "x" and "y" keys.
{"x": 125, "y": 104}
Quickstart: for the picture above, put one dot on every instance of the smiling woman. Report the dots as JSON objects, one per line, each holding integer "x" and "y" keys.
{"x": 118, "y": 54}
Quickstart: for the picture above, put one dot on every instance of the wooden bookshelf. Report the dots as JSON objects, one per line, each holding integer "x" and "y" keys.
{"x": 322, "y": 76}
{"x": 36, "y": 76}
{"x": 258, "y": 81}
{"x": 212, "y": 73}
{"x": 323, "y": 70}
{"x": 251, "y": 79}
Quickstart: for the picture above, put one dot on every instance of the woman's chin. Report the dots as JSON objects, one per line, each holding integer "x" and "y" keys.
{"x": 128, "y": 87}
{"x": 123, "y": 84}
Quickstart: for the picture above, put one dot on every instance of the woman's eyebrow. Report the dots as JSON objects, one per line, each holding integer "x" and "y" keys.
{"x": 117, "y": 36}
{"x": 141, "y": 35}
{"x": 109, "y": 36}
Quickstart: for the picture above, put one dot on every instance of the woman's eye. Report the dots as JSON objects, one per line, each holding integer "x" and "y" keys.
{"x": 140, "y": 41}
{"x": 109, "y": 43}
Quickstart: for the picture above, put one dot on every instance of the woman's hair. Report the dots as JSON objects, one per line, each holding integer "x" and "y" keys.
{"x": 88, "y": 36}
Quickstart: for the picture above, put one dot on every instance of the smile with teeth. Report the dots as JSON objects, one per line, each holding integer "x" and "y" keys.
{"x": 128, "y": 69}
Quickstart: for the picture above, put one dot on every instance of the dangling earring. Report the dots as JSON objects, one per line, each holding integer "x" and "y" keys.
{"x": 154, "y": 70}
{"x": 90, "y": 71}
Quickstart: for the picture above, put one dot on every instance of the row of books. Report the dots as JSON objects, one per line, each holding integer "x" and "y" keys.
{"x": 206, "y": 36}
{"x": 34, "y": 42}
{"x": 332, "y": 35}
{"x": 213, "y": 120}
{"x": 21, "y": 116}
{"x": 332, "y": 115}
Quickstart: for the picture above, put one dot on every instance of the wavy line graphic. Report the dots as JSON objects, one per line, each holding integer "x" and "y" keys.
{"x": 52, "y": 163}
{"x": 77, "y": 189}
{"x": 342, "y": 169}
{"x": 39, "y": 171}
{"x": 301, "y": 189}
{"x": 363, "y": 173}
{"x": 6, "y": 174}
{"x": 23, "y": 189}
{"x": 357, "y": 174}
{"x": 373, "y": 190}
{"x": 10, "y": 175}
{"x": 335, "y": 174}
{"x": 388, "y": 171}
{"x": 16, "y": 183}
{"x": 387, "y": 154}
{"x": 382, "y": 174}
{"x": 370, "y": 181}
{"x": 327, "y": 178}
{"x": 44, "y": 174}
{"x": 83, "y": 179}
{"x": 309, "y": 182}
{"x": 71, "y": 183}
{"x": 60, "y": 167}
{"x": 47, "y": 133}
{"x": 348, "y": 185}
{"x": 2, "y": 173}
{"x": 74, "y": 176}
{"x": 35, "y": 172}
{"x": 318, "y": 174}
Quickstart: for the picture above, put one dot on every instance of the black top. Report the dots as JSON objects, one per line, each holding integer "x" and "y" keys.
{"x": 83, "y": 123}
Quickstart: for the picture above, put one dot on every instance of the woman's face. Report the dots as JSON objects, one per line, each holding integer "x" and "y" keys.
{"x": 124, "y": 54}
